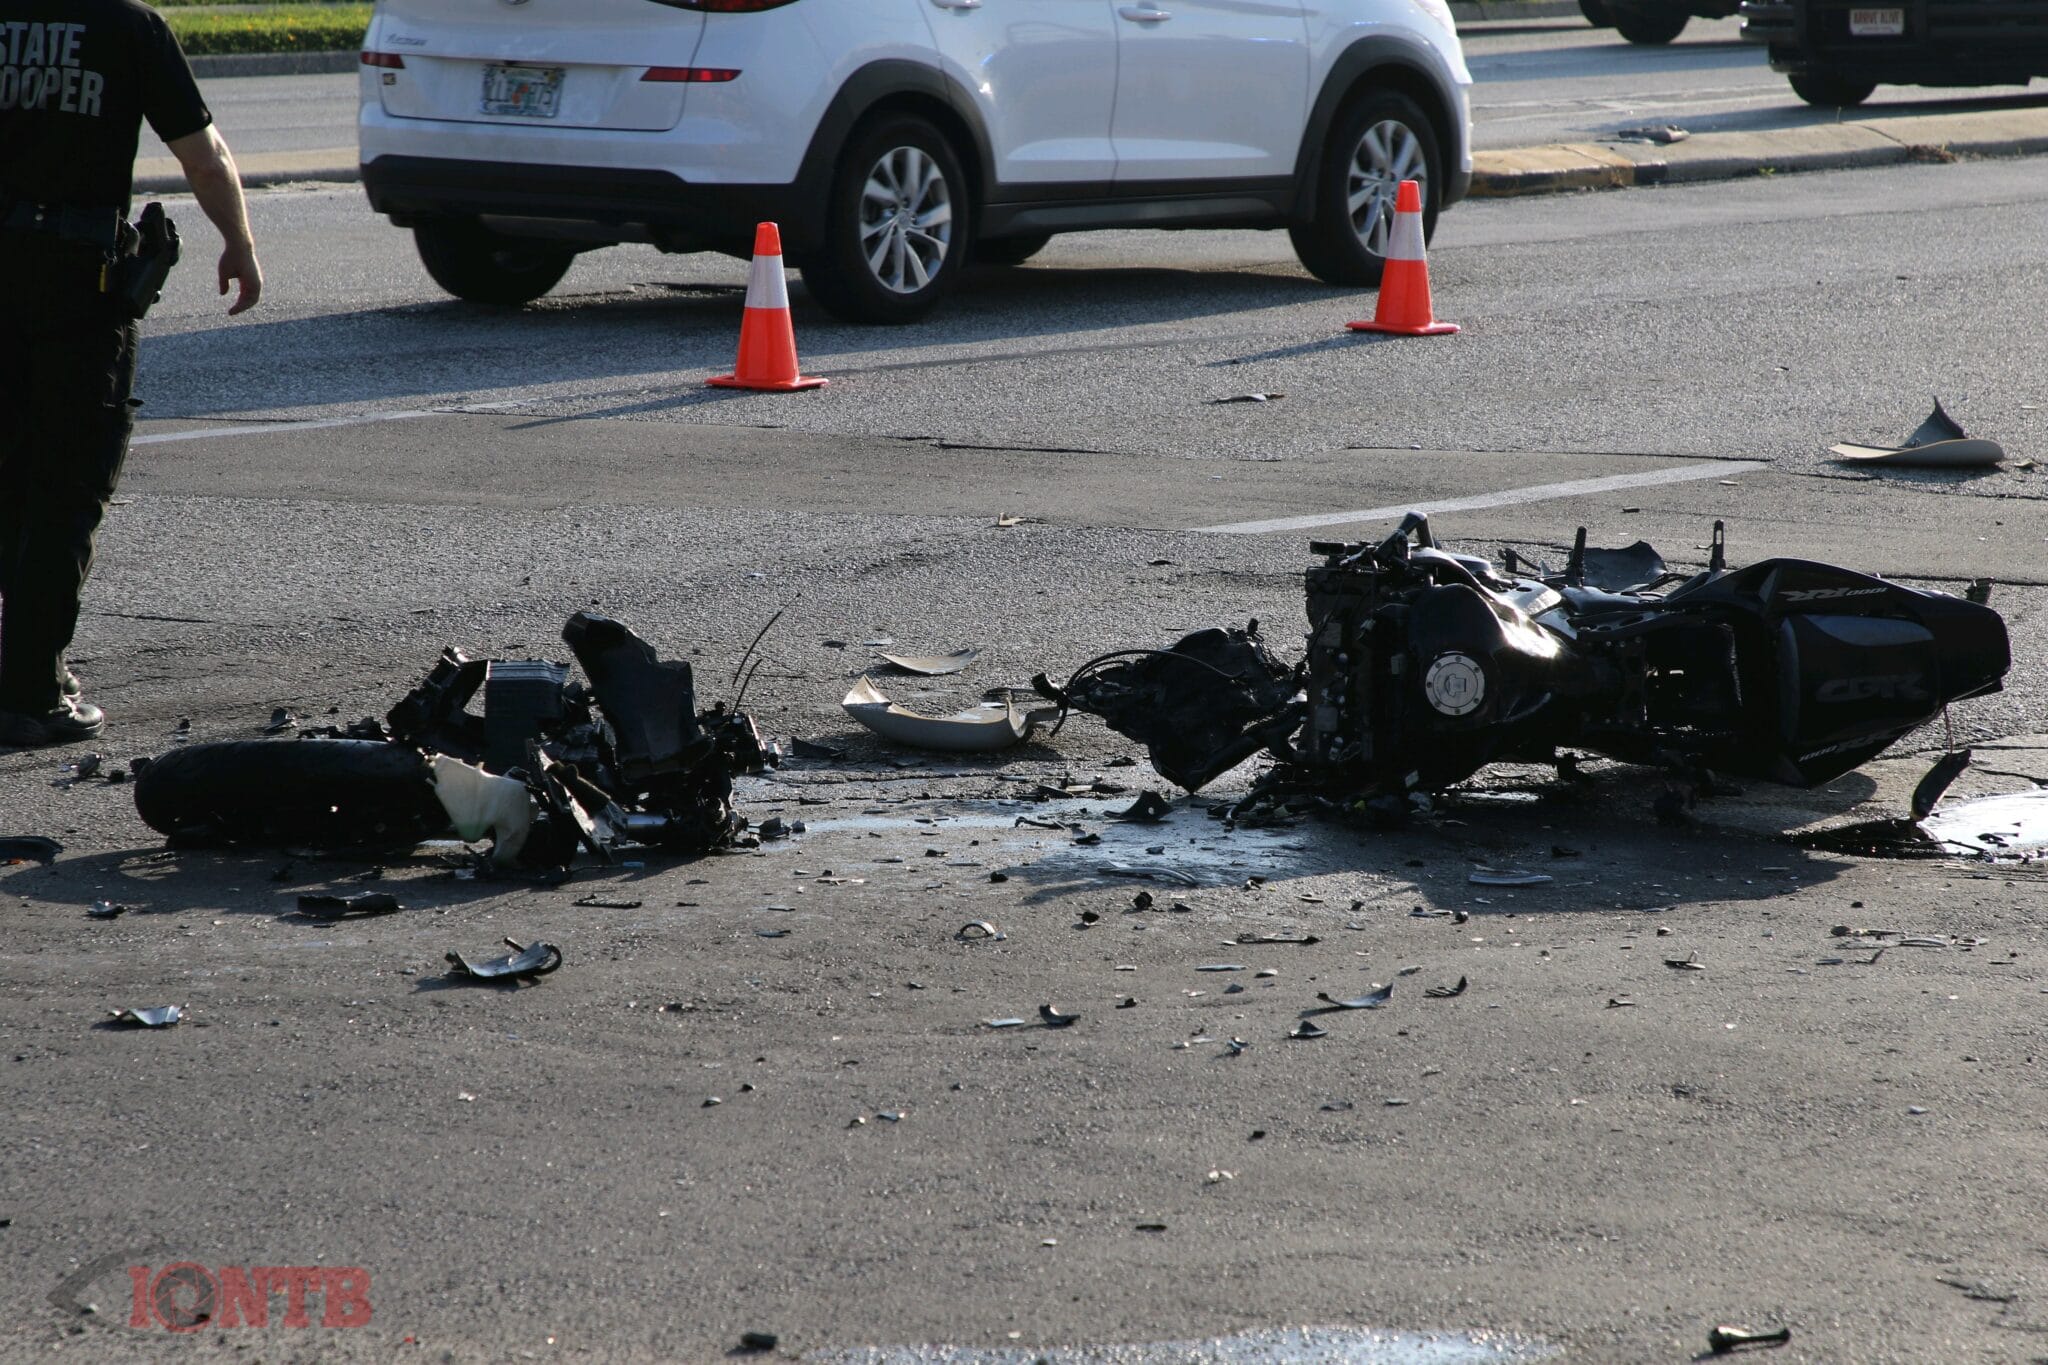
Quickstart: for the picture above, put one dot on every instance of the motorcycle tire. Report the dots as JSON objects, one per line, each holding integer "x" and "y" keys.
{"x": 320, "y": 793}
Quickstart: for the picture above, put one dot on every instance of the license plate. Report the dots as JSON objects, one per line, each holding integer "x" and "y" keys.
{"x": 523, "y": 91}
{"x": 1877, "y": 23}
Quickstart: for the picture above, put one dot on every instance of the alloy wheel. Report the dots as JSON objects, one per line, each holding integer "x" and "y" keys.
{"x": 906, "y": 220}
{"x": 1387, "y": 154}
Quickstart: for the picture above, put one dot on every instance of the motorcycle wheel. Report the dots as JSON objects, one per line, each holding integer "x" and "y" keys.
{"x": 323, "y": 793}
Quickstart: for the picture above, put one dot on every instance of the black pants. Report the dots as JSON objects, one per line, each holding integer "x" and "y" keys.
{"x": 67, "y": 364}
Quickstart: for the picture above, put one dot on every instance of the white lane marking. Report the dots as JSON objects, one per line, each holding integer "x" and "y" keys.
{"x": 1541, "y": 492}
{"x": 317, "y": 424}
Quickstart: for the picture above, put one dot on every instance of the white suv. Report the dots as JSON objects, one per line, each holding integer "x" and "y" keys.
{"x": 896, "y": 140}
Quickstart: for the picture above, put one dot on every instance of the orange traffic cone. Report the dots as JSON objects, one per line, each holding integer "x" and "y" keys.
{"x": 1404, "y": 289}
{"x": 767, "y": 357}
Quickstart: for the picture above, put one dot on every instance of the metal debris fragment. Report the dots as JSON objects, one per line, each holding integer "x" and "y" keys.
{"x": 364, "y": 906}
{"x": 156, "y": 1016}
{"x": 1496, "y": 876}
{"x": 1446, "y": 992}
{"x": 1724, "y": 1339}
{"x": 1149, "y": 808}
{"x": 1370, "y": 1001}
{"x": 523, "y": 962}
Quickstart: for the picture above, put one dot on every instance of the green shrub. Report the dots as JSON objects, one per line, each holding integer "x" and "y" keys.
{"x": 271, "y": 28}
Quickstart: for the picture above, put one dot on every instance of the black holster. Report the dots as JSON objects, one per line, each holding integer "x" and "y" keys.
{"x": 144, "y": 256}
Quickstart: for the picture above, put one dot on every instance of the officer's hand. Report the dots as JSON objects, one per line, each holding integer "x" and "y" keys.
{"x": 238, "y": 263}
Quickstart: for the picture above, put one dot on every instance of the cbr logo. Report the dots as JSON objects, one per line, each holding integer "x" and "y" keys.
{"x": 1827, "y": 594}
{"x": 1894, "y": 687}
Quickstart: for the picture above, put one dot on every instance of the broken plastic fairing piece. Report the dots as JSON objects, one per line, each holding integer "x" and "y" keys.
{"x": 1937, "y": 443}
{"x": 480, "y": 804}
{"x": 933, "y": 665}
{"x": 981, "y": 730}
{"x": 29, "y": 848}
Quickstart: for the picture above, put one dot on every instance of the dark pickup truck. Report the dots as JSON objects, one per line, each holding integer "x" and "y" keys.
{"x": 1838, "y": 51}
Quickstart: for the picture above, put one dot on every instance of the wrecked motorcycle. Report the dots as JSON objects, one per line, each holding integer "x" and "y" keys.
{"x": 1424, "y": 666}
{"x": 546, "y": 764}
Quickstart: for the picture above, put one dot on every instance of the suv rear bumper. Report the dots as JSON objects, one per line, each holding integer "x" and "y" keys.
{"x": 1946, "y": 42}
{"x": 594, "y": 205}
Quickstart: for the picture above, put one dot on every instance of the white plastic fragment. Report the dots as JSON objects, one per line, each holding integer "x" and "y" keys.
{"x": 479, "y": 803}
{"x": 985, "y": 728}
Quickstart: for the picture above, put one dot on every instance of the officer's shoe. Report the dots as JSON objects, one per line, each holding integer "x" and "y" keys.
{"x": 66, "y": 723}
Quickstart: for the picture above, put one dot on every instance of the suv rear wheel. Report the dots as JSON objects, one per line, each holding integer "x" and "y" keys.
{"x": 1652, "y": 25}
{"x": 473, "y": 263}
{"x": 896, "y": 225}
{"x": 1831, "y": 91}
{"x": 1375, "y": 144}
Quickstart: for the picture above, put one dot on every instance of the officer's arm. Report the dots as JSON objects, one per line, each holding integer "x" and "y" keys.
{"x": 210, "y": 170}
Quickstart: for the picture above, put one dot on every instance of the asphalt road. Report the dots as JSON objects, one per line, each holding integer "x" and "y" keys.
{"x": 1834, "y": 1141}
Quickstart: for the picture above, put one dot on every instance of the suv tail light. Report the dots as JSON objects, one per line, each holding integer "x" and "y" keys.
{"x": 691, "y": 75}
{"x": 385, "y": 59}
{"x": 726, "y": 6}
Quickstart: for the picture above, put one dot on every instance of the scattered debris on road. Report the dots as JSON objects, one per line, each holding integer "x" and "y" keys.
{"x": 1663, "y": 134}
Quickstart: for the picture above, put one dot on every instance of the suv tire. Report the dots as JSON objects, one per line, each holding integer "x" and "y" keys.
{"x": 1652, "y": 27}
{"x": 477, "y": 265}
{"x": 897, "y": 225}
{"x": 1375, "y": 143}
{"x": 1830, "y": 90}
{"x": 1597, "y": 13}
{"x": 1010, "y": 250}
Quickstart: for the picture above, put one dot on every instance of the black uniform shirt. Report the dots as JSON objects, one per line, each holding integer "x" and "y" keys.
{"x": 77, "y": 77}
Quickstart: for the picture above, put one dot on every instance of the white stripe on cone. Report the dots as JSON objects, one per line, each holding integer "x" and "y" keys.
{"x": 767, "y": 286}
{"x": 1404, "y": 243}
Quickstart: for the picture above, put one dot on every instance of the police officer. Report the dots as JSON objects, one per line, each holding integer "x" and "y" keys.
{"x": 77, "y": 77}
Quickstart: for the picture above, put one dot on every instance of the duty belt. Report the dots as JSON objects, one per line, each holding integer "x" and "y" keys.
{"x": 91, "y": 227}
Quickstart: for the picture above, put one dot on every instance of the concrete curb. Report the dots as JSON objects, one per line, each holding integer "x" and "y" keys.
{"x": 275, "y": 64}
{"x": 1728, "y": 156}
{"x": 331, "y": 166}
